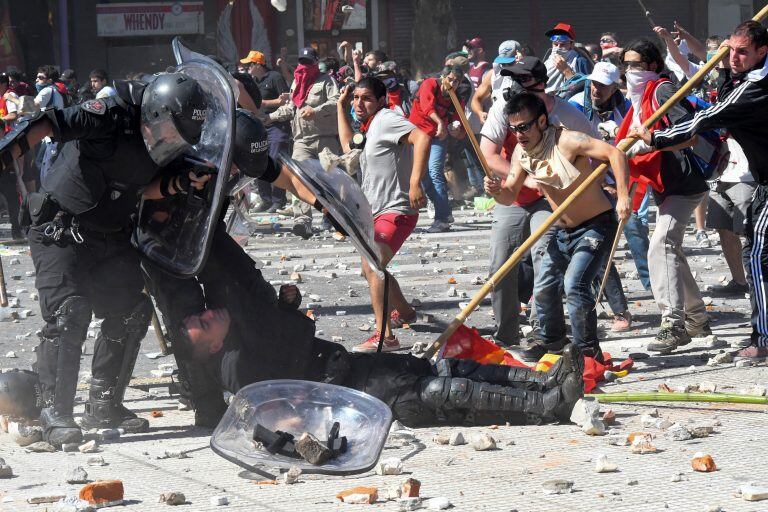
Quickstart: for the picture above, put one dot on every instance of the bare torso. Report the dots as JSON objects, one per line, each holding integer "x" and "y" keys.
{"x": 590, "y": 203}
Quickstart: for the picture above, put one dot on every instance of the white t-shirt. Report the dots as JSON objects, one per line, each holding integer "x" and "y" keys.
{"x": 49, "y": 97}
{"x": 737, "y": 170}
{"x": 563, "y": 113}
{"x": 386, "y": 164}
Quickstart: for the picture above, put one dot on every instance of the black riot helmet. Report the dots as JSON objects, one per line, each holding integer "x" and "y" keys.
{"x": 173, "y": 109}
{"x": 251, "y": 152}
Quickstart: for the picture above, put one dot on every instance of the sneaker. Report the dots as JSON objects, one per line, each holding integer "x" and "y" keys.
{"x": 668, "y": 339}
{"x": 397, "y": 320}
{"x": 263, "y": 206}
{"x": 753, "y": 352}
{"x": 699, "y": 331}
{"x": 439, "y": 227}
{"x": 702, "y": 239}
{"x": 371, "y": 345}
{"x": 286, "y": 211}
{"x": 732, "y": 288}
{"x": 622, "y": 322}
{"x": 303, "y": 230}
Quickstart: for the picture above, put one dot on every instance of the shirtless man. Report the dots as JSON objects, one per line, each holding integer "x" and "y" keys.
{"x": 558, "y": 161}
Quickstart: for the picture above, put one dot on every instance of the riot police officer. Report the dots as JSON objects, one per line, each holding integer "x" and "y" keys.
{"x": 79, "y": 236}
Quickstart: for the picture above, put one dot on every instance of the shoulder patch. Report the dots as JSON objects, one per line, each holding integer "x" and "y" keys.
{"x": 94, "y": 106}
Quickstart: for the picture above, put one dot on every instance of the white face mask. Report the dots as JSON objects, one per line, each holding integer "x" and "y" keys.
{"x": 636, "y": 81}
{"x": 561, "y": 51}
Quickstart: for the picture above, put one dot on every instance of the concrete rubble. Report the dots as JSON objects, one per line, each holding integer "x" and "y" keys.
{"x": 482, "y": 442}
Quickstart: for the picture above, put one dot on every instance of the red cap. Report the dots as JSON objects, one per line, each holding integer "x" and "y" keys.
{"x": 562, "y": 28}
{"x": 474, "y": 43}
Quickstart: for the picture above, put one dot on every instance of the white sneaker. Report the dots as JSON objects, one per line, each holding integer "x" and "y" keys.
{"x": 702, "y": 240}
{"x": 439, "y": 227}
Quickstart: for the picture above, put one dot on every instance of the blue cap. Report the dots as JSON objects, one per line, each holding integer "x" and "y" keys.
{"x": 507, "y": 52}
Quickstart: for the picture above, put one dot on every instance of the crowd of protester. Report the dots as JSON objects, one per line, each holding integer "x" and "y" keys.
{"x": 601, "y": 89}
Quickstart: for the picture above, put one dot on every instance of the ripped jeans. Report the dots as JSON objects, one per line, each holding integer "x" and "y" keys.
{"x": 574, "y": 259}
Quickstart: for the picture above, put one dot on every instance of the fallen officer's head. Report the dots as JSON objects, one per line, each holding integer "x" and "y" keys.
{"x": 204, "y": 333}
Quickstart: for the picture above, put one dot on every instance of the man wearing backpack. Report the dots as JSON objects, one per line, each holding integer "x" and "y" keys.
{"x": 679, "y": 187}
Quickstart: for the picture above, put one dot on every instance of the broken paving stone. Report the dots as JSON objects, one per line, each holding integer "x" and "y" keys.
{"x": 11, "y": 355}
{"x": 90, "y": 447}
{"x": 482, "y": 442}
{"x": 700, "y": 431}
{"x": 439, "y": 503}
{"x": 41, "y": 447}
{"x": 410, "y": 488}
{"x": 754, "y": 493}
{"x": 722, "y": 358}
{"x": 707, "y": 387}
{"x": 712, "y": 341}
{"x": 5, "y": 470}
{"x": 557, "y": 486}
{"x": 593, "y": 427}
{"x": 442, "y": 439}
{"x": 618, "y": 439}
{"x": 24, "y": 435}
{"x": 104, "y": 493}
{"x": 389, "y": 466}
{"x": 72, "y": 504}
{"x": 641, "y": 443}
{"x": 406, "y": 504}
{"x": 292, "y": 475}
{"x": 603, "y": 465}
{"x": 678, "y": 432}
{"x": 77, "y": 475}
{"x": 744, "y": 363}
{"x": 703, "y": 463}
{"x": 37, "y": 500}
{"x": 650, "y": 421}
{"x": 312, "y": 450}
{"x": 457, "y": 439}
{"x": 172, "y": 498}
{"x": 96, "y": 460}
{"x": 678, "y": 477}
{"x": 359, "y": 495}
{"x": 452, "y": 292}
{"x": 584, "y": 409}
{"x": 106, "y": 434}
{"x": 337, "y": 339}
{"x": 218, "y": 501}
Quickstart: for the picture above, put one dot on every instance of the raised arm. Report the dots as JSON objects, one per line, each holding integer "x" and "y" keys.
{"x": 482, "y": 92}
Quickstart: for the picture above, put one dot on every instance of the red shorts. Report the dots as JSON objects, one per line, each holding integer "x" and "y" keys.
{"x": 392, "y": 229}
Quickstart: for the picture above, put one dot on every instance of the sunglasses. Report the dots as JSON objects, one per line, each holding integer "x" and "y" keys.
{"x": 560, "y": 38}
{"x": 41, "y": 77}
{"x": 522, "y": 127}
{"x": 607, "y": 40}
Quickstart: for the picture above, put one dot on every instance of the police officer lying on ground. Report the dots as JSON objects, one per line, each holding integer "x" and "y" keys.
{"x": 80, "y": 238}
{"x": 178, "y": 298}
{"x": 247, "y": 334}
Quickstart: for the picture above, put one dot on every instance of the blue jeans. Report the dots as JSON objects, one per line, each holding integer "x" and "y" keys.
{"x": 636, "y": 232}
{"x": 435, "y": 185}
{"x": 475, "y": 172}
{"x": 574, "y": 258}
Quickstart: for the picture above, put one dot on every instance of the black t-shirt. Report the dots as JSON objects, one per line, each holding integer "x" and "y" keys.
{"x": 678, "y": 174}
{"x": 271, "y": 86}
{"x": 104, "y": 163}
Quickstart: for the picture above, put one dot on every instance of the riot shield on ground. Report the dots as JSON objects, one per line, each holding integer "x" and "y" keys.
{"x": 345, "y": 202}
{"x": 294, "y": 407}
{"x": 176, "y": 232}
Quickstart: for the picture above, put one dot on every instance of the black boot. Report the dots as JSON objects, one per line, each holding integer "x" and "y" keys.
{"x": 114, "y": 357}
{"x": 201, "y": 392}
{"x": 518, "y": 377}
{"x": 58, "y": 363}
{"x": 475, "y": 400}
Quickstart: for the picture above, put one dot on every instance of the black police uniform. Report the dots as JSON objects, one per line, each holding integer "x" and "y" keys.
{"x": 80, "y": 244}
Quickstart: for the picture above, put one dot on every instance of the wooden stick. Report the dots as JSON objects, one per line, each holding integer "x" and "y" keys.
{"x": 3, "y": 289}
{"x": 157, "y": 327}
{"x": 468, "y": 129}
{"x": 609, "y": 260}
{"x": 624, "y": 145}
{"x": 663, "y": 396}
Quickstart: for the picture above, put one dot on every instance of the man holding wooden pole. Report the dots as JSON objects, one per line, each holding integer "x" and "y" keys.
{"x": 559, "y": 161}
{"x": 741, "y": 109}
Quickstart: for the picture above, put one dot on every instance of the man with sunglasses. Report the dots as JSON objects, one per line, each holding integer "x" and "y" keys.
{"x": 564, "y": 60}
{"x": 559, "y": 160}
{"x": 512, "y": 224}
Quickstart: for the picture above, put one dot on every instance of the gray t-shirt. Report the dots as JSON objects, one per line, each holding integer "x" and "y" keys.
{"x": 563, "y": 113}
{"x": 386, "y": 164}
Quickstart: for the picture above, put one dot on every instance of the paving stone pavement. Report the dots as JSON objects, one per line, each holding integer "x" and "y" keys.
{"x": 505, "y": 479}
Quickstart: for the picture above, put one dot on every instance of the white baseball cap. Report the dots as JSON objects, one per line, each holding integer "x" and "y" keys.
{"x": 605, "y": 73}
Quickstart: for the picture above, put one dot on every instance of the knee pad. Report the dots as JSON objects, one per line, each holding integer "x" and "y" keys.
{"x": 451, "y": 393}
{"x": 74, "y": 316}
{"x": 134, "y": 322}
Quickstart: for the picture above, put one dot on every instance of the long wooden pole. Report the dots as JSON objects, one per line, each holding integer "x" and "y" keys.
{"x": 662, "y": 396}
{"x": 465, "y": 123}
{"x": 3, "y": 290}
{"x": 624, "y": 145}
